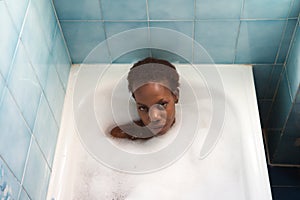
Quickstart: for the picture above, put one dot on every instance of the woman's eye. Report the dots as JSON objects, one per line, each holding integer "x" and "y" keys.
{"x": 142, "y": 108}
{"x": 164, "y": 104}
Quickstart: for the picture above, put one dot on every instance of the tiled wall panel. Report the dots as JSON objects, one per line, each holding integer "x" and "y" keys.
{"x": 285, "y": 111}
{"x": 34, "y": 68}
{"x": 247, "y": 31}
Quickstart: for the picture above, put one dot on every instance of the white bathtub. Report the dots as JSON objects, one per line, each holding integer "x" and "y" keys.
{"x": 230, "y": 165}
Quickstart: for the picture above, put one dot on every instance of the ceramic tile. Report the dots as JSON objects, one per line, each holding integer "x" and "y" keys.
{"x": 128, "y": 41}
{"x": 2, "y": 85}
{"x": 171, "y": 9}
{"x": 124, "y": 10}
{"x": 256, "y": 44}
{"x": 293, "y": 126}
{"x": 61, "y": 59}
{"x": 295, "y": 9}
{"x": 36, "y": 167}
{"x": 47, "y": 18}
{"x": 218, "y": 38}
{"x": 281, "y": 106}
{"x": 171, "y": 41}
{"x": 262, "y": 75}
{"x": 214, "y": 9}
{"x": 273, "y": 82}
{"x": 55, "y": 94}
{"x": 80, "y": 10}
{"x": 46, "y": 130}
{"x": 24, "y": 86}
{"x": 283, "y": 193}
{"x": 17, "y": 11}
{"x": 133, "y": 56}
{"x": 113, "y": 28}
{"x": 284, "y": 176}
{"x": 286, "y": 41}
{"x": 201, "y": 55}
{"x": 264, "y": 109}
{"x": 82, "y": 38}
{"x": 14, "y": 133}
{"x": 8, "y": 40}
{"x": 182, "y": 27}
{"x": 256, "y": 9}
{"x": 288, "y": 150}
{"x": 100, "y": 54}
{"x": 298, "y": 95}
{"x": 273, "y": 139}
{"x": 293, "y": 64}
{"x": 9, "y": 185}
{"x": 36, "y": 49}
{"x": 166, "y": 55}
{"x": 24, "y": 195}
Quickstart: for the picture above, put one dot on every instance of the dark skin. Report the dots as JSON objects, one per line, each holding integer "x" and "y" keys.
{"x": 156, "y": 108}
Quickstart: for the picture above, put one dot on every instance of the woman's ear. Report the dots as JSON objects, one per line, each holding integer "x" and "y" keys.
{"x": 176, "y": 95}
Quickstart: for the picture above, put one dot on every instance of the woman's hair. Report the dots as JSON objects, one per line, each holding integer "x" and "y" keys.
{"x": 153, "y": 70}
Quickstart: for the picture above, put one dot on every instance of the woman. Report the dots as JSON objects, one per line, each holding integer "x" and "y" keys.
{"x": 154, "y": 85}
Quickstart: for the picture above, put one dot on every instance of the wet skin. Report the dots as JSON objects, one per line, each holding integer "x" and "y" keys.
{"x": 156, "y": 108}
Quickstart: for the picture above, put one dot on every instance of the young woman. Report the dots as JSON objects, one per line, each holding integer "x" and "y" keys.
{"x": 154, "y": 85}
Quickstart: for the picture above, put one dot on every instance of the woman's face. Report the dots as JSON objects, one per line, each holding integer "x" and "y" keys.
{"x": 156, "y": 107}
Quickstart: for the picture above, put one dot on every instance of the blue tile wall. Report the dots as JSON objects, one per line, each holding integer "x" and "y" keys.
{"x": 221, "y": 49}
{"x": 8, "y": 182}
{"x": 256, "y": 44}
{"x": 34, "y": 66}
{"x": 171, "y": 9}
{"x": 285, "y": 111}
{"x": 77, "y": 33}
{"x": 123, "y": 10}
{"x": 214, "y": 9}
{"x": 254, "y": 9}
{"x": 36, "y": 167}
{"x": 247, "y": 31}
{"x": 293, "y": 64}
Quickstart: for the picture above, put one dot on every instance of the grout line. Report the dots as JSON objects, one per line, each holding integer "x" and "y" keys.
{"x": 148, "y": 27}
{"x": 42, "y": 152}
{"x": 11, "y": 172}
{"x": 281, "y": 41}
{"x": 17, "y": 45}
{"x": 286, "y": 118}
{"x": 236, "y": 43}
{"x": 61, "y": 32}
{"x": 268, "y": 81}
{"x": 147, "y": 11}
{"x": 41, "y": 87}
{"x": 284, "y": 165}
{"x": 284, "y": 31}
{"x": 239, "y": 31}
{"x": 286, "y": 186}
{"x": 25, "y": 167}
{"x": 11, "y": 94}
{"x": 264, "y": 19}
{"x": 172, "y": 20}
{"x": 265, "y": 100}
{"x": 274, "y": 96}
{"x": 105, "y": 33}
{"x": 291, "y": 43}
{"x": 194, "y": 33}
{"x": 277, "y": 64}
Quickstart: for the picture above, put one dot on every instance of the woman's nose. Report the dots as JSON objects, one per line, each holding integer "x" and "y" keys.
{"x": 156, "y": 113}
